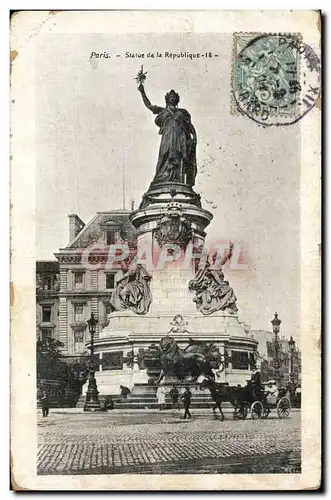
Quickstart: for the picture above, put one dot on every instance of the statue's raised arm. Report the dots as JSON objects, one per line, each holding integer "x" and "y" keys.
{"x": 154, "y": 109}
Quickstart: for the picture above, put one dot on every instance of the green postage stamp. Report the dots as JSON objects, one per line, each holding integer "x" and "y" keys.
{"x": 275, "y": 77}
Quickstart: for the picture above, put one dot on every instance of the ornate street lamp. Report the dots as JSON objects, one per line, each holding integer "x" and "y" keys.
{"x": 275, "y": 326}
{"x": 92, "y": 399}
{"x": 291, "y": 345}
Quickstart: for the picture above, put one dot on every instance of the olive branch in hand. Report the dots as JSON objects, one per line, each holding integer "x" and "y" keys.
{"x": 141, "y": 76}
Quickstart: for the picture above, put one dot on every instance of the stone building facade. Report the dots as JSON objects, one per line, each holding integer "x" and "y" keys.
{"x": 47, "y": 299}
{"x": 87, "y": 278}
{"x": 80, "y": 281}
{"x": 266, "y": 349}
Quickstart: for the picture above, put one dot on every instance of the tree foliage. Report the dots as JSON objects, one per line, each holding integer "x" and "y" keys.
{"x": 51, "y": 365}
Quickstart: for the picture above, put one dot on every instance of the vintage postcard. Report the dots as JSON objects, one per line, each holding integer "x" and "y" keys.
{"x": 165, "y": 250}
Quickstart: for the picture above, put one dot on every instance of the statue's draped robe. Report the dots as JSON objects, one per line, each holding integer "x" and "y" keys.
{"x": 133, "y": 291}
{"x": 212, "y": 292}
{"x": 177, "y": 149}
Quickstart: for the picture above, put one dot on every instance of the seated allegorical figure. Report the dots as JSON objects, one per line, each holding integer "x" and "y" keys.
{"x": 133, "y": 291}
{"x": 213, "y": 293}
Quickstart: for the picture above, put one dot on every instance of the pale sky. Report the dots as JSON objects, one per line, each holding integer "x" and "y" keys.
{"x": 91, "y": 122}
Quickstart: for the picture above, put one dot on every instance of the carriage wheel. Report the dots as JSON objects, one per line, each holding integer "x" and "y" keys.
{"x": 283, "y": 407}
{"x": 257, "y": 409}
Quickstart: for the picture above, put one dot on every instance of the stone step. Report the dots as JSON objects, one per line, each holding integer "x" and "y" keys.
{"x": 80, "y": 402}
{"x": 134, "y": 397}
{"x": 144, "y": 396}
{"x": 151, "y": 406}
{"x": 144, "y": 402}
{"x": 144, "y": 389}
{"x": 149, "y": 400}
{"x": 130, "y": 405}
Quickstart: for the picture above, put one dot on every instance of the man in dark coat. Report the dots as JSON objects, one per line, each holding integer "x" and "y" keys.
{"x": 186, "y": 397}
{"x": 174, "y": 394}
{"x": 44, "y": 404}
{"x": 256, "y": 383}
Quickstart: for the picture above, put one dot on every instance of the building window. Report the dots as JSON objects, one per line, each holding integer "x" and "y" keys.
{"x": 47, "y": 312}
{"x": 227, "y": 358}
{"x": 240, "y": 360}
{"x": 47, "y": 283}
{"x": 78, "y": 312}
{"x": 111, "y": 237}
{"x": 79, "y": 341}
{"x": 110, "y": 281}
{"x": 78, "y": 281}
{"x": 112, "y": 361}
{"x": 46, "y": 334}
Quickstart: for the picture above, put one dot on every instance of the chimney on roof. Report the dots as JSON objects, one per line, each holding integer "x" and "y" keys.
{"x": 75, "y": 226}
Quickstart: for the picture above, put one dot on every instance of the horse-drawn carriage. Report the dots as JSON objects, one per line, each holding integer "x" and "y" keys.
{"x": 260, "y": 403}
{"x": 249, "y": 398}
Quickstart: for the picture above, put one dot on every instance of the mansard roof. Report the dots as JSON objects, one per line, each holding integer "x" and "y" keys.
{"x": 47, "y": 266}
{"x": 93, "y": 231}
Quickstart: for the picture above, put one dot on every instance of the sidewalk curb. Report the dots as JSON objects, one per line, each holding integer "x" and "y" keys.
{"x": 198, "y": 411}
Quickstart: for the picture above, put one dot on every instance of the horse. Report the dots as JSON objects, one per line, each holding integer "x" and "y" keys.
{"x": 219, "y": 393}
{"x": 239, "y": 397}
{"x": 198, "y": 358}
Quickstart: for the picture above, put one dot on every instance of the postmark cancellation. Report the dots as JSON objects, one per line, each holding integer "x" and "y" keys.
{"x": 275, "y": 77}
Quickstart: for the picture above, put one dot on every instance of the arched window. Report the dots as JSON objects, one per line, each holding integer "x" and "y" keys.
{"x": 48, "y": 282}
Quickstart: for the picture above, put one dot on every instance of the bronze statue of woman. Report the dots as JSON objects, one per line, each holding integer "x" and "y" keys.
{"x": 177, "y": 154}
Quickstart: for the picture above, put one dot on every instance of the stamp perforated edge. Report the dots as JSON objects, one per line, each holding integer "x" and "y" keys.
{"x": 234, "y": 108}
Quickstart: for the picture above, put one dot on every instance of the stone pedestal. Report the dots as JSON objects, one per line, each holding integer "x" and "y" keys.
{"x": 170, "y": 214}
{"x": 127, "y": 330}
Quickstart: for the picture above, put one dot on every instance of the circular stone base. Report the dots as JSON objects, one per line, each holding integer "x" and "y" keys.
{"x": 170, "y": 191}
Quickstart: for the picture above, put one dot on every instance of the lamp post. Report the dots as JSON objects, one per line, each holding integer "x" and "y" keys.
{"x": 92, "y": 399}
{"x": 291, "y": 345}
{"x": 275, "y": 326}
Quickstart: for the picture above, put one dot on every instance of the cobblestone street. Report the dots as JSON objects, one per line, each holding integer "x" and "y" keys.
{"x": 151, "y": 442}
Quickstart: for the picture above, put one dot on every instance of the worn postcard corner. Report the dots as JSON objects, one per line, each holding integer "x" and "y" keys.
{"x": 165, "y": 250}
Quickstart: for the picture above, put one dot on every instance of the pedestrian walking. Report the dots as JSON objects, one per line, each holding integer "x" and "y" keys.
{"x": 186, "y": 397}
{"x": 44, "y": 404}
{"x": 174, "y": 394}
{"x": 161, "y": 394}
